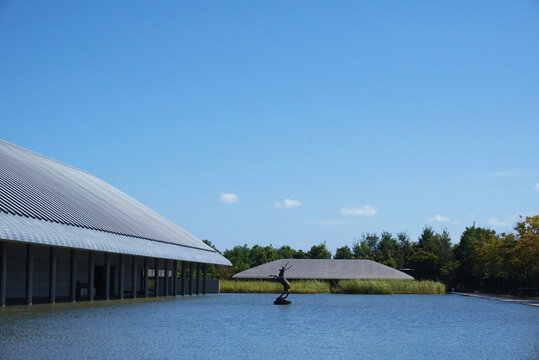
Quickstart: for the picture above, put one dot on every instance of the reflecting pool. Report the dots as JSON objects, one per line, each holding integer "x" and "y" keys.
{"x": 249, "y": 326}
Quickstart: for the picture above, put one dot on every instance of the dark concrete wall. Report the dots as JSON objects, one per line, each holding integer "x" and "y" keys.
{"x": 16, "y": 270}
{"x": 62, "y": 272}
{"x": 16, "y": 273}
{"x": 41, "y": 271}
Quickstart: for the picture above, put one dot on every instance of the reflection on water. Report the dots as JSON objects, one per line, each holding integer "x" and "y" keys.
{"x": 249, "y": 326}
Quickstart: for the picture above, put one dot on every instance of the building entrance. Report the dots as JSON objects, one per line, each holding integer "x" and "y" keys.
{"x": 100, "y": 281}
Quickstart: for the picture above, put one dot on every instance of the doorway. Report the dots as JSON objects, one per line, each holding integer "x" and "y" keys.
{"x": 100, "y": 281}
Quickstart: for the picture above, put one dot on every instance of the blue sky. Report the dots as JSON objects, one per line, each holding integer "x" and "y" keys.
{"x": 285, "y": 122}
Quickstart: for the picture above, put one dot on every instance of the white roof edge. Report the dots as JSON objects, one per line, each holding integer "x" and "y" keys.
{"x": 28, "y": 230}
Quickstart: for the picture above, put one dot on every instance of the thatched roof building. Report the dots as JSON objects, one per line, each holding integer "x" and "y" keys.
{"x": 324, "y": 269}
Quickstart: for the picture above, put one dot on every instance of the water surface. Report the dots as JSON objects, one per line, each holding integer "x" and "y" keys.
{"x": 249, "y": 326}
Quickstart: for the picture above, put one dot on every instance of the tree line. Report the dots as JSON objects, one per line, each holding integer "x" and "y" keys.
{"x": 482, "y": 259}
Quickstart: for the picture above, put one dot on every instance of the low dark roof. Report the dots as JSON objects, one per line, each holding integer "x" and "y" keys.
{"x": 326, "y": 269}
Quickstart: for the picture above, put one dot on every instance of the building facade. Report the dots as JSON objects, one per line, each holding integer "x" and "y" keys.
{"x": 66, "y": 235}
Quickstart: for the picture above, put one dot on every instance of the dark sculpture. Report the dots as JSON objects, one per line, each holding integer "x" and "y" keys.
{"x": 282, "y": 299}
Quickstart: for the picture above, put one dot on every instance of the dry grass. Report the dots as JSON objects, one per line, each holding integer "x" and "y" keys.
{"x": 380, "y": 287}
{"x": 388, "y": 287}
{"x": 260, "y": 286}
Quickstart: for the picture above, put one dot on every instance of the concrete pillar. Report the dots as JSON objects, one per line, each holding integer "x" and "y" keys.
{"x": 91, "y": 276}
{"x": 73, "y": 276}
{"x": 52, "y": 275}
{"x": 134, "y": 276}
{"x": 190, "y": 278}
{"x": 107, "y": 276}
{"x": 167, "y": 293}
{"x": 121, "y": 273}
{"x": 198, "y": 277}
{"x": 204, "y": 274}
{"x": 146, "y": 277}
{"x": 156, "y": 277}
{"x": 182, "y": 283}
{"x": 174, "y": 277}
{"x": 29, "y": 273}
{"x": 3, "y": 273}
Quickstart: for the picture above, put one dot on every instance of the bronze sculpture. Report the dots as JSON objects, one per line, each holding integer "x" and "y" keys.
{"x": 282, "y": 299}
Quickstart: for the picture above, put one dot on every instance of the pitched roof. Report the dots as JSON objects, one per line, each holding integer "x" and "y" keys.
{"x": 324, "y": 269}
{"x": 48, "y": 202}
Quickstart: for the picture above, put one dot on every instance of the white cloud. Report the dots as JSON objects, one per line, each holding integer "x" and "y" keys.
{"x": 537, "y": 187}
{"x": 439, "y": 218}
{"x": 442, "y": 219}
{"x": 497, "y": 222}
{"x": 365, "y": 210}
{"x": 288, "y": 204}
{"x": 228, "y": 198}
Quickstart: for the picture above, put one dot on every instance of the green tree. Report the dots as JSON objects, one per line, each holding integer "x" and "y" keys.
{"x": 361, "y": 250}
{"x": 469, "y": 273}
{"x": 300, "y": 254}
{"x": 239, "y": 256}
{"x": 425, "y": 264}
{"x": 261, "y": 255}
{"x": 492, "y": 254}
{"x": 388, "y": 252}
{"x": 319, "y": 251}
{"x": 405, "y": 247}
{"x": 371, "y": 239}
{"x": 526, "y": 251}
{"x": 344, "y": 252}
{"x": 286, "y": 252}
{"x": 366, "y": 247}
{"x": 440, "y": 246}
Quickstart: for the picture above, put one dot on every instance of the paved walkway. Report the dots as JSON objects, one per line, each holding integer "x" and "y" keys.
{"x": 506, "y": 298}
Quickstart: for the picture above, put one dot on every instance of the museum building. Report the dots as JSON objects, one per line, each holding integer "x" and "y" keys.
{"x": 325, "y": 269}
{"x": 66, "y": 235}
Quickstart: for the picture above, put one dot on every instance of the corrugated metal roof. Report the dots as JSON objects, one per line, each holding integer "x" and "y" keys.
{"x": 45, "y": 201}
{"x": 326, "y": 269}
